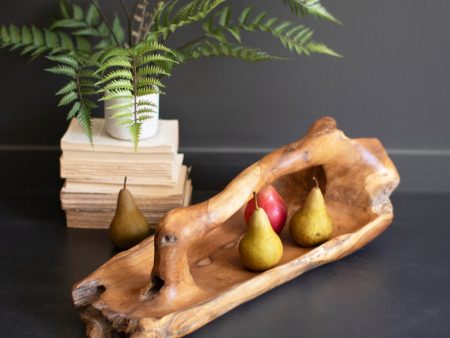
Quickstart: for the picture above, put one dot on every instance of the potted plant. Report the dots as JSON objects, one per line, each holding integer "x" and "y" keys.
{"x": 124, "y": 65}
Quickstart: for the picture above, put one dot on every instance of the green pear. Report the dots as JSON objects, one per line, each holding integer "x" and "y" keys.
{"x": 311, "y": 225}
{"x": 129, "y": 226}
{"x": 260, "y": 249}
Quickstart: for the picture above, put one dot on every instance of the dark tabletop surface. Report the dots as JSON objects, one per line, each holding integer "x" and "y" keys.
{"x": 397, "y": 286}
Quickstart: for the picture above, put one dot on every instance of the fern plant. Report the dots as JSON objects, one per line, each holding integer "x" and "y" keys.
{"x": 122, "y": 63}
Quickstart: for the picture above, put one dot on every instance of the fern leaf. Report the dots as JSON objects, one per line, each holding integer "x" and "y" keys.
{"x": 294, "y": 37}
{"x": 38, "y": 36}
{"x": 65, "y": 59}
{"x": 71, "y": 86}
{"x": 64, "y": 9}
{"x": 135, "y": 132}
{"x": 68, "y": 23}
{"x": 14, "y": 33}
{"x": 87, "y": 73}
{"x": 117, "y": 94}
{"x": 6, "y": 38}
{"x": 209, "y": 49}
{"x": 88, "y": 31}
{"x": 148, "y": 90}
{"x": 65, "y": 41}
{"x": 89, "y": 104}
{"x": 27, "y": 36}
{"x": 74, "y": 110}
{"x": 62, "y": 70}
{"x": 85, "y": 121}
{"x": 145, "y": 60}
{"x": 167, "y": 23}
{"x": 122, "y": 85}
{"x": 83, "y": 44}
{"x": 149, "y": 81}
{"x": 152, "y": 70}
{"x": 120, "y": 106}
{"x": 92, "y": 16}
{"x": 148, "y": 47}
{"x": 145, "y": 112}
{"x": 68, "y": 98}
{"x": 51, "y": 39}
{"x": 113, "y": 52}
{"x": 87, "y": 82}
{"x": 145, "y": 103}
{"x": 118, "y": 30}
{"x": 318, "y": 47}
{"x": 117, "y": 74}
{"x": 310, "y": 7}
{"x": 115, "y": 62}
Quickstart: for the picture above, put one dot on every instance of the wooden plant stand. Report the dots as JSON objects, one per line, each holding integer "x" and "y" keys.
{"x": 189, "y": 273}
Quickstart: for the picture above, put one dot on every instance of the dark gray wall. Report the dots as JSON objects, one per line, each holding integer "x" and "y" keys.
{"x": 393, "y": 84}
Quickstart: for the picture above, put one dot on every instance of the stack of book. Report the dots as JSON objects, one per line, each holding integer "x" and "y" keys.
{"x": 95, "y": 174}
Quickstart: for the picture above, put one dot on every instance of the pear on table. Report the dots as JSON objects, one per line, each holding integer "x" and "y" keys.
{"x": 129, "y": 226}
{"x": 260, "y": 249}
{"x": 311, "y": 225}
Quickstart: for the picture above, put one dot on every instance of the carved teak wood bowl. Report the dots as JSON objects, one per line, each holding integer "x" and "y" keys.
{"x": 189, "y": 273}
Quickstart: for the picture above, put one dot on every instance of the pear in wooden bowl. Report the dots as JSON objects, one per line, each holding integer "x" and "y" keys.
{"x": 189, "y": 273}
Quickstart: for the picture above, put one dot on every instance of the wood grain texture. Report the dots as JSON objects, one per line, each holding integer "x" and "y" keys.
{"x": 189, "y": 273}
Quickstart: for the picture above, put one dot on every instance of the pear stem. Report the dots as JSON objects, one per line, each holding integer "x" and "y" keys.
{"x": 256, "y": 200}
{"x": 316, "y": 181}
{"x": 125, "y": 182}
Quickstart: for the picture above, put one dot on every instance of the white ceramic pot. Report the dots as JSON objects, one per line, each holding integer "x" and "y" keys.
{"x": 149, "y": 127}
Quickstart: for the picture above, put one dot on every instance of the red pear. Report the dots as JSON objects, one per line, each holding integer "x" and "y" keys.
{"x": 273, "y": 204}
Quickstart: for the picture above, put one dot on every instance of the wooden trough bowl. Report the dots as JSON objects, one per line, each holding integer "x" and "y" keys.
{"x": 189, "y": 273}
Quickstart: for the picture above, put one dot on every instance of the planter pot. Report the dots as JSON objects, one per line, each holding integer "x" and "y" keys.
{"x": 149, "y": 127}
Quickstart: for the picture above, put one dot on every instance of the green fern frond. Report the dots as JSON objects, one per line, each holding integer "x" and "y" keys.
{"x": 85, "y": 120}
{"x": 66, "y": 41}
{"x": 87, "y": 73}
{"x": 77, "y": 92}
{"x": 148, "y": 59}
{"x": 74, "y": 110}
{"x": 294, "y": 37}
{"x": 210, "y": 49}
{"x": 120, "y": 106}
{"x": 118, "y": 31}
{"x": 115, "y": 62}
{"x": 65, "y": 59}
{"x": 35, "y": 41}
{"x": 310, "y": 7}
{"x": 62, "y": 70}
{"x": 89, "y": 24}
{"x": 145, "y": 103}
{"x": 92, "y": 16}
{"x": 168, "y": 21}
{"x": 116, "y": 74}
{"x": 318, "y": 47}
{"x": 68, "y": 98}
{"x": 70, "y": 86}
{"x": 122, "y": 85}
{"x": 148, "y": 90}
{"x": 150, "y": 47}
{"x": 135, "y": 132}
{"x": 117, "y": 94}
{"x": 149, "y": 81}
{"x": 153, "y": 70}
{"x": 113, "y": 52}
